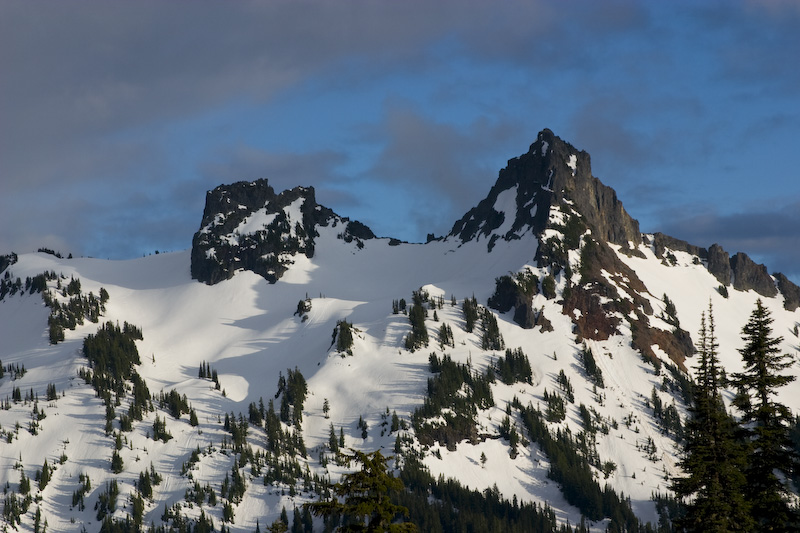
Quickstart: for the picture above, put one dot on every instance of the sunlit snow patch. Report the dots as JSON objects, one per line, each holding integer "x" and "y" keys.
{"x": 573, "y": 163}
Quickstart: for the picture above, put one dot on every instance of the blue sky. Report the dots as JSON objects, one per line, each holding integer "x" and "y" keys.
{"x": 115, "y": 118}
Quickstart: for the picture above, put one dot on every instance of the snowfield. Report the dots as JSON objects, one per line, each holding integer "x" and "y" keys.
{"x": 247, "y": 330}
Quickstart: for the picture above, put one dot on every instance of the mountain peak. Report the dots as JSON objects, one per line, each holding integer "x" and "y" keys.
{"x": 551, "y": 173}
{"x": 247, "y": 226}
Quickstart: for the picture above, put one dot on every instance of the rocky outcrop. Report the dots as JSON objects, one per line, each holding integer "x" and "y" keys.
{"x": 542, "y": 322}
{"x": 747, "y": 275}
{"x": 551, "y": 173}
{"x": 739, "y": 270}
{"x": 662, "y": 242}
{"x": 719, "y": 264}
{"x": 597, "y": 319}
{"x": 247, "y": 226}
{"x": 607, "y": 291}
{"x": 677, "y": 344}
{"x": 516, "y": 294}
{"x": 790, "y": 291}
{"x": 598, "y": 204}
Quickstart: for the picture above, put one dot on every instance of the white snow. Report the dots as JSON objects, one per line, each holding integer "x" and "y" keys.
{"x": 257, "y": 221}
{"x": 692, "y": 288}
{"x": 506, "y": 203}
{"x": 573, "y": 163}
{"x": 246, "y": 329}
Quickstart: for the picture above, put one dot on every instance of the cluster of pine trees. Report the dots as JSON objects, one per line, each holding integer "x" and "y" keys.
{"x": 74, "y": 308}
{"x": 455, "y": 393}
{"x": 418, "y": 337}
{"x": 112, "y": 355}
{"x": 373, "y": 499}
{"x": 77, "y": 308}
{"x": 737, "y": 472}
{"x": 10, "y": 285}
{"x": 206, "y": 372}
{"x": 293, "y": 391}
{"x": 514, "y": 367}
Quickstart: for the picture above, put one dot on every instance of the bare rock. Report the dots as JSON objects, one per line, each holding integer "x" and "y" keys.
{"x": 747, "y": 275}
{"x": 719, "y": 264}
{"x": 790, "y": 291}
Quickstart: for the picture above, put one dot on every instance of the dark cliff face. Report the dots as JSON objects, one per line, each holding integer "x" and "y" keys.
{"x": 223, "y": 245}
{"x": 719, "y": 264}
{"x": 662, "y": 242}
{"x": 747, "y": 275}
{"x": 790, "y": 291}
{"x": 552, "y": 172}
{"x": 247, "y": 226}
{"x": 601, "y": 209}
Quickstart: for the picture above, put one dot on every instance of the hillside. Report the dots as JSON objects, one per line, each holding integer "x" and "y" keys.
{"x": 550, "y": 256}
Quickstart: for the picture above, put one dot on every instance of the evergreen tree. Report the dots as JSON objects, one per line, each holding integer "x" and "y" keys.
{"x": 419, "y": 333}
{"x": 713, "y": 460}
{"x": 228, "y": 513}
{"x": 766, "y": 423}
{"x": 491, "y": 338}
{"x": 285, "y": 408}
{"x": 37, "y": 520}
{"x": 297, "y": 521}
{"x": 116, "y": 462}
{"x": 138, "y": 509}
{"x": 366, "y": 494}
{"x": 278, "y": 526}
{"x": 333, "y": 442}
{"x": 308, "y": 521}
{"x": 44, "y": 478}
{"x": 470, "y": 308}
{"x": 446, "y": 336}
{"x": 344, "y": 338}
{"x": 24, "y": 483}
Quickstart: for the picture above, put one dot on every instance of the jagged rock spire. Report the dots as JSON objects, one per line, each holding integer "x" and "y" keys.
{"x": 247, "y": 226}
{"x": 551, "y": 172}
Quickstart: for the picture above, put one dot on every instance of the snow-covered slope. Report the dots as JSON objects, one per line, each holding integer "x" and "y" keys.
{"x": 249, "y": 331}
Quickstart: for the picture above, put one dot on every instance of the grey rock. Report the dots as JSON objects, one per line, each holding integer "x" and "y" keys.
{"x": 543, "y": 177}
{"x": 790, "y": 291}
{"x": 509, "y": 295}
{"x": 218, "y": 252}
{"x": 719, "y": 264}
{"x": 661, "y": 242}
{"x": 747, "y": 275}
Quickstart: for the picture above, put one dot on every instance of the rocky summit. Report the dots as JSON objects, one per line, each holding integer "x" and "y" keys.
{"x": 552, "y": 173}
{"x": 246, "y": 226}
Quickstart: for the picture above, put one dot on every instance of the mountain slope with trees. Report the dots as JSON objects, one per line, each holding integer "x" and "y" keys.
{"x": 537, "y": 364}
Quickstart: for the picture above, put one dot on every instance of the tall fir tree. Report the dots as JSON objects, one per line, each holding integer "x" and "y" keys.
{"x": 766, "y": 424}
{"x": 367, "y": 502}
{"x": 713, "y": 459}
